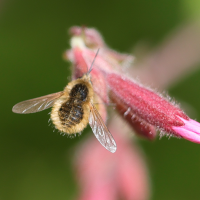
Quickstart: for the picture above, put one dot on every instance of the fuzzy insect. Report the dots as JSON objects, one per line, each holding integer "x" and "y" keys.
{"x": 72, "y": 110}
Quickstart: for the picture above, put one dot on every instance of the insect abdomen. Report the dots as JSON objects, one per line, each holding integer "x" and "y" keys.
{"x": 73, "y": 111}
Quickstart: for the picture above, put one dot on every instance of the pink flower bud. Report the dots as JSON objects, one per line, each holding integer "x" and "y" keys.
{"x": 152, "y": 108}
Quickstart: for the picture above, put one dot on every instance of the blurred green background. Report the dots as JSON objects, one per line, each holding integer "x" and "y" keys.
{"x": 35, "y": 162}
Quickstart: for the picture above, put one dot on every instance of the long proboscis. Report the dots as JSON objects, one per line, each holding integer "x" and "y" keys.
{"x": 93, "y": 62}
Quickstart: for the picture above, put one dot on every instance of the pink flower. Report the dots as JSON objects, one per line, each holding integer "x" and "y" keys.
{"x": 102, "y": 175}
{"x": 123, "y": 175}
{"x": 152, "y": 108}
{"x": 144, "y": 109}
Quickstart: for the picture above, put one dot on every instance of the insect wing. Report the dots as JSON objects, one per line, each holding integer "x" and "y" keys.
{"x": 37, "y": 104}
{"x": 101, "y": 131}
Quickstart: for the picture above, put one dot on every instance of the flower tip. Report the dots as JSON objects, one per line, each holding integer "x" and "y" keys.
{"x": 189, "y": 131}
{"x": 77, "y": 42}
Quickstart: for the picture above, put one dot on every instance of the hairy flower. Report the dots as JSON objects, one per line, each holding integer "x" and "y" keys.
{"x": 144, "y": 109}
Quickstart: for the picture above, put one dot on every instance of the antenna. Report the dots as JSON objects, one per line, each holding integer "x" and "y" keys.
{"x": 93, "y": 62}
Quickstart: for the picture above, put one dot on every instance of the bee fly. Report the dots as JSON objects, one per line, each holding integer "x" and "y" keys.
{"x": 72, "y": 110}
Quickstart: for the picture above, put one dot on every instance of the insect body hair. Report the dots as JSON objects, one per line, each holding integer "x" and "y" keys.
{"x": 76, "y": 127}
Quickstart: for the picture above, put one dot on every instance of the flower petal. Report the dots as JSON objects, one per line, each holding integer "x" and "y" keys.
{"x": 190, "y": 131}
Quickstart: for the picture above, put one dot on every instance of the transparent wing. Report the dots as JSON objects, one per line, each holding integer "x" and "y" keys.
{"x": 37, "y": 104}
{"x": 101, "y": 131}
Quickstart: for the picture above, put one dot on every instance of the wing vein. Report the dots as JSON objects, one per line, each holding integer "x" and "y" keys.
{"x": 101, "y": 131}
